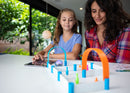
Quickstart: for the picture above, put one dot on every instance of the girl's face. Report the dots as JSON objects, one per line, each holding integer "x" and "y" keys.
{"x": 67, "y": 20}
{"x": 98, "y": 15}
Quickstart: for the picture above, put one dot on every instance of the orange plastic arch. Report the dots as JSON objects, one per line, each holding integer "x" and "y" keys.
{"x": 103, "y": 58}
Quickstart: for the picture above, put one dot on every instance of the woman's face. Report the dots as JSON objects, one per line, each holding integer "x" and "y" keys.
{"x": 67, "y": 21}
{"x": 98, "y": 15}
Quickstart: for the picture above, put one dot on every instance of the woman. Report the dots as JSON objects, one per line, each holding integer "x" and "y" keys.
{"x": 107, "y": 28}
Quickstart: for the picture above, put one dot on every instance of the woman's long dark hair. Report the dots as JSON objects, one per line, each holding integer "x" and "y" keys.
{"x": 116, "y": 17}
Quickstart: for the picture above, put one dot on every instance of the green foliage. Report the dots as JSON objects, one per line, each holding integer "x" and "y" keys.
{"x": 41, "y": 22}
{"x": 13, "y": 16}
{"x": 14, "y": 22}
{"x": 17, "y": 52}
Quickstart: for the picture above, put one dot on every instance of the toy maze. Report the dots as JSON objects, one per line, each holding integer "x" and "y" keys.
{"x": 81, "y": 76}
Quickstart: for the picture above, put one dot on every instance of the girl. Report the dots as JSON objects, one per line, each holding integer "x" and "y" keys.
{"x": 65, "y": 36}
{"x": 107, "y": 29}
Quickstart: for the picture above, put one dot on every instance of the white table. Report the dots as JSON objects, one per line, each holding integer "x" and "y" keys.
{"x": 15, "y": 77}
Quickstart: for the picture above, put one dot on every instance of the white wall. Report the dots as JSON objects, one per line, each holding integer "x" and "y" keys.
{"x": 126, "y": 5}
{"x": 83, "y": 38}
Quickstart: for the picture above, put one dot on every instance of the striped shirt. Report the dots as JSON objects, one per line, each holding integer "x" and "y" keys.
{"x": 117, "y": 51}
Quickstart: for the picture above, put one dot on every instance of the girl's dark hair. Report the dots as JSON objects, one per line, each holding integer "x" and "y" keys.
{"x": 58, "y": 30}
{"x": 116, "y": 17}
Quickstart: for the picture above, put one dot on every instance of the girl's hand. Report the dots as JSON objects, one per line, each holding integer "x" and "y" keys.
{"x": 39, "y": 56}
{"x": 45, "y": 55}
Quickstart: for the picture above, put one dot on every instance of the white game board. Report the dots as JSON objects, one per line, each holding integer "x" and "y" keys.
{"x": 85, "y": 85}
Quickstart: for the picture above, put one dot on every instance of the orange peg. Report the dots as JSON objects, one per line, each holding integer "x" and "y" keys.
{"x": 80, "y": 66}
{"x": 96, "y": 79}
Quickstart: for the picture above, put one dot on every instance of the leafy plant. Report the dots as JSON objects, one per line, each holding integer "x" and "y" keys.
{"x": 17, "y": 52}
{"x": 14, "y": 23}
